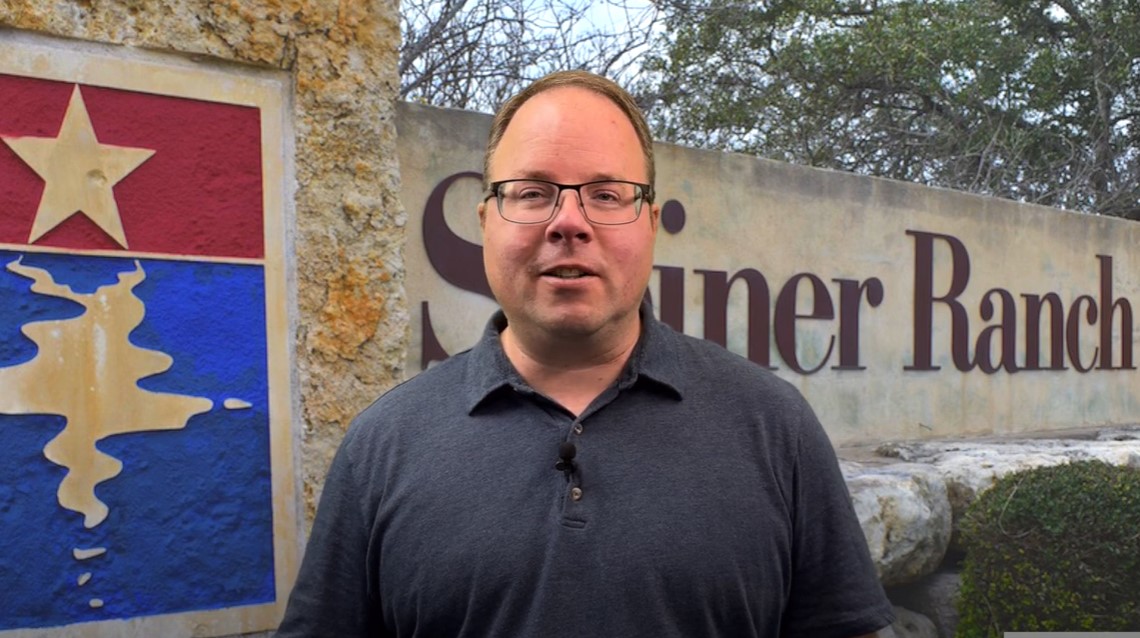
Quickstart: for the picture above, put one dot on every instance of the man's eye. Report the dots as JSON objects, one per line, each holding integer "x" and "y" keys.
{"x": 530, "y": 192}
{"x": 606, "y": 196}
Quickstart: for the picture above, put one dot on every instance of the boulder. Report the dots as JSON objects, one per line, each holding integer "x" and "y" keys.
{"x": 970, "y": 467}
{"x": 935, "y": 598}
{"x": 1123, "y": 433}
{"x": 905, "y": 515}
{"x": 910, "y": 497}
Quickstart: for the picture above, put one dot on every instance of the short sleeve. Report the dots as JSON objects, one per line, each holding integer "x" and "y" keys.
{"x": 331, "y": 596}
{"x": 835, "y": 592}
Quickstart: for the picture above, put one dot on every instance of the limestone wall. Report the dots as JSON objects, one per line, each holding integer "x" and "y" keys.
{"x": 329, "y": 71}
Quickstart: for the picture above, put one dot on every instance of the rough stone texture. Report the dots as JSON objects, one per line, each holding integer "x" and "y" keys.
{"x": 909, "y": 624}
{"x": 352, "y": 318}
{"x": 970, "y": 467}
{"x": 935, "y": 597}
{"x": 905, "y": 515}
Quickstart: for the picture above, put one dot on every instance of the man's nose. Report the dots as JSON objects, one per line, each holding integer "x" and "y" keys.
{"x": 569, "y": 219}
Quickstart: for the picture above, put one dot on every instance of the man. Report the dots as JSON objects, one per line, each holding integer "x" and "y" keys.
{"x": 695, "y": 494}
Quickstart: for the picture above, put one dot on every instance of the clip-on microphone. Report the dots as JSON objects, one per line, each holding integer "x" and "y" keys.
{"x": 565, "y": 464}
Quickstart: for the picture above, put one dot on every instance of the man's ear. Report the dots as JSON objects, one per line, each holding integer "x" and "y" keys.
{"x": 482, "y": 209}
{"x": 654, "y": 216}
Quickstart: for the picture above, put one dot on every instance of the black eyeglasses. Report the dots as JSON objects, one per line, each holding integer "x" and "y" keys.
{"x": 533, "y": 201}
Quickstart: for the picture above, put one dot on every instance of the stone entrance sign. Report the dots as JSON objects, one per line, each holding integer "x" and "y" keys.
{"x": 146, "y": 472}
{"x": 902, "y": 312}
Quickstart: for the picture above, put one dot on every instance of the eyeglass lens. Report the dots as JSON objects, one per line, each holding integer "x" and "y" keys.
{"x": 534, "y": 201}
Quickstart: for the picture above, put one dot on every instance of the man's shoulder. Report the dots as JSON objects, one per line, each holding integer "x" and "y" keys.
{"x": 716, "y": 366}
{"x": 440, "y": 387}
{"x": 728, "y": 392}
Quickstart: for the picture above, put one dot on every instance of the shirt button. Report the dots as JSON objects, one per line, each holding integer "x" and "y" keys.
{"x": 577, "y": 428}
{"x": 576, "y": 494}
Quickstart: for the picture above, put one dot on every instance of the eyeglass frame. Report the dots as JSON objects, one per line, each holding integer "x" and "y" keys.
{"x": 493, "y": 191}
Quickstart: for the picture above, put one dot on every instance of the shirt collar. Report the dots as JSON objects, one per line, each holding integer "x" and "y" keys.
{"x": 655, "y": 358}
{"x": 488, "y": 368}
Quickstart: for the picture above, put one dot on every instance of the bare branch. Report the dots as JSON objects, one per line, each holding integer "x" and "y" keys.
{"x": 474, "y": 53}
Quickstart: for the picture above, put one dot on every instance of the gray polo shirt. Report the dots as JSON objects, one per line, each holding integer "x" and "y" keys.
{"x": 706, "y": 501}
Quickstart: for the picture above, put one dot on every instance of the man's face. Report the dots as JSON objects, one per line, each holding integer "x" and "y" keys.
{"x": 569, "y": 135}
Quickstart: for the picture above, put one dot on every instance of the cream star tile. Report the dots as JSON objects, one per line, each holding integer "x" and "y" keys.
{"x": 79, "y": 173}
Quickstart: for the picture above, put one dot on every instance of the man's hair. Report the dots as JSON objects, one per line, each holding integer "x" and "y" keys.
{"x": 583, "y": 79}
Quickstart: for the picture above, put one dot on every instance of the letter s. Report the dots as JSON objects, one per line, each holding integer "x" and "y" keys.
{"x": 457, "y": 260}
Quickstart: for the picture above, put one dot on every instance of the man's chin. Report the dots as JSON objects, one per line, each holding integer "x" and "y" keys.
{"x": 581, "y": 322}
{"x": 578, "y": 323}
{"x": 572, "y": 328}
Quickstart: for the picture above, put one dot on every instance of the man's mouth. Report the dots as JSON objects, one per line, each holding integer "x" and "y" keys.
{"x": 567, "y": 273}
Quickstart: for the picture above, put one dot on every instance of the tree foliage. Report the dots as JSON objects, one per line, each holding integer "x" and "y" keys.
{"x": 473, "y": 54}
{"x": 1032, "y": 100}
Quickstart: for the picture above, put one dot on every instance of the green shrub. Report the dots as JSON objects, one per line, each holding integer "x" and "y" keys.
{"x": 1053, "y": 549}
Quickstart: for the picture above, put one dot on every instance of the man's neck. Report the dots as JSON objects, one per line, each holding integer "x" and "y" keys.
{"x": 571, "y": 373}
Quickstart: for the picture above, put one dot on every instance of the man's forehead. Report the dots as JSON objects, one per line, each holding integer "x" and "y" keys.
{"x": 563, "y": 101}
{"x": 567, "y": 115}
